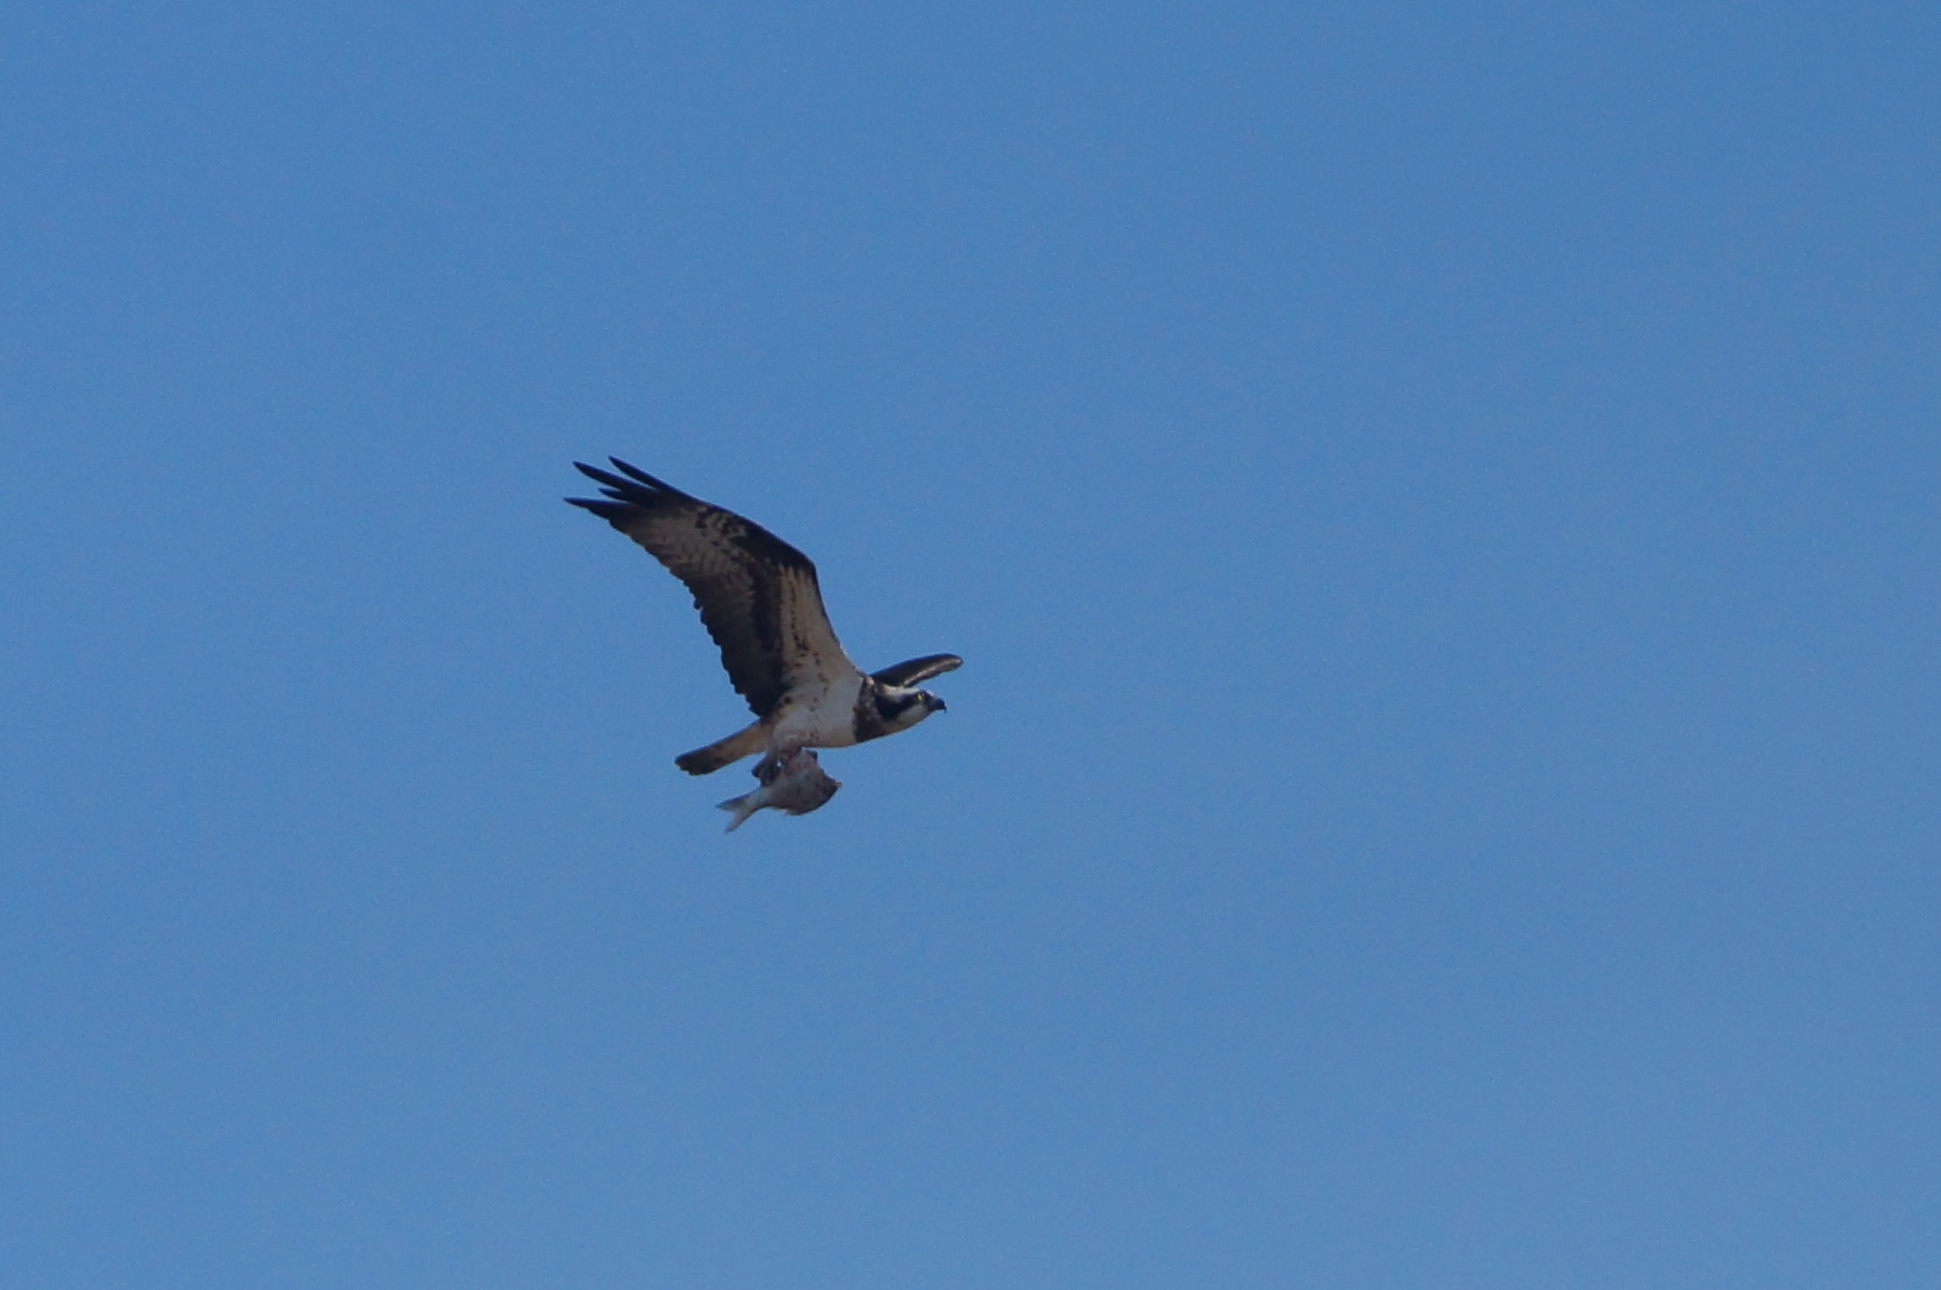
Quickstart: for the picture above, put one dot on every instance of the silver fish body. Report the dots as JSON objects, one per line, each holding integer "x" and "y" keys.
{"x": 798, "y": 785}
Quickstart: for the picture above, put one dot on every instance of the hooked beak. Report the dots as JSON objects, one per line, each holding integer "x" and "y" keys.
{"x": 937, "y": 705}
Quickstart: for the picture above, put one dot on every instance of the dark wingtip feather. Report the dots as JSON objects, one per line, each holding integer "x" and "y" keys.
{"x": 635, "y": 472}
{"x": 623, "y": 490}
{"x": 618, "y": 514}
{"x": 640, "y": 488}
{"x": 599, "y": 476}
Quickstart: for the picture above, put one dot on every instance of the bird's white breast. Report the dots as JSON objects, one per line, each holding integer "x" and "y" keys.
{"x": 822, "y": 715}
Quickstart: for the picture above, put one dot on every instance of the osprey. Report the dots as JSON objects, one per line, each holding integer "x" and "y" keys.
{"x": 760, "y": 602}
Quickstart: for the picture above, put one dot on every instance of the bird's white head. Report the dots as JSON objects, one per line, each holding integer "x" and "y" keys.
{"x": 903, "y": 706}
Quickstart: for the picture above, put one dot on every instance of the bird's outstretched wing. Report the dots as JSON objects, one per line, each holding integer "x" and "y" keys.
{"x": 757, "y": 595}
{"x": 918, "y": 669}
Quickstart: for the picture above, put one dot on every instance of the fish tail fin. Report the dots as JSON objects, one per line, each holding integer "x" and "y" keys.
{"x": 742, "y": 807}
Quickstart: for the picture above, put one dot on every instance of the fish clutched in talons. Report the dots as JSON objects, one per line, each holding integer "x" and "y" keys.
{"x": 797, "y": 785}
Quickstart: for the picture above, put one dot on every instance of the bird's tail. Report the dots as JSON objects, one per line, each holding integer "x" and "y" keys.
{"x": 743, "y": 807}
{"x": 745, "y": 742}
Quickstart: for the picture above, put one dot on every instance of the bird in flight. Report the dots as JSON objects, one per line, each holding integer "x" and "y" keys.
{"x": 760, "y": 602}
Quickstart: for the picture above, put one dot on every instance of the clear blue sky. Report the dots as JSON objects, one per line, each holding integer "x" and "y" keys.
{"x": 1439, "y": 503}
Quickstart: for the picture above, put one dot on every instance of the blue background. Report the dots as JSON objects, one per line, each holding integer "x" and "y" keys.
{"x": 1438, "y": 502}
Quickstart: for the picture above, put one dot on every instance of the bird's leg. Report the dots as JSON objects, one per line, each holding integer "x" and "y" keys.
{"x": 773, "y": 761}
